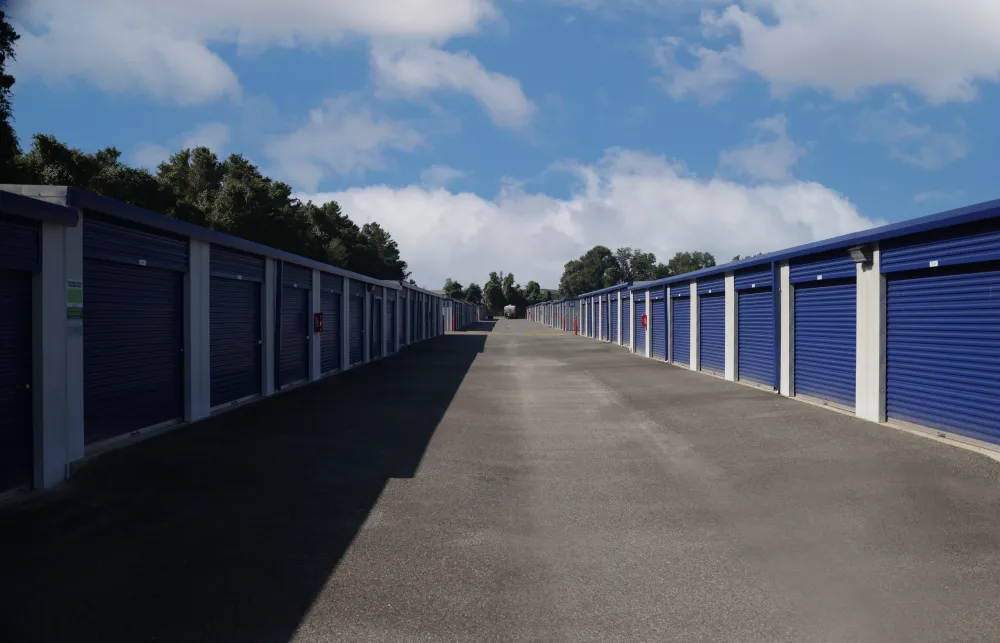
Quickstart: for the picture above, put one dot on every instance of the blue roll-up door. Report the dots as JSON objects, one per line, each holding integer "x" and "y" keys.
{"x": 659, "y": 320}
{"x": 356, "y": 310}
{"x": 712, "y": 332}
{"x": 943, "y": 350}
{"x": 626, "y": 321}
{"x": 329, "y": 304}
{"x": 640, "y": 332}
{"x": 133, "y": 334}
{"x": 825, "y": 340}
{"x": 614, "y": 319}
{"x": 680, "y": 330}
{"x": 375, "y": 350}
{"x": 390, "y": 328}
{"x": 16, "y": 434}
{"x": 605, "y": 319}
{"x": 295, "y": 326}
{"x": 404, "y": 322}
{"x": 235, "y": 338}
{"x": 755, "y": 331}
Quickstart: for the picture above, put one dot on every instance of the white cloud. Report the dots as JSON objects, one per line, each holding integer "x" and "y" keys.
{"x": 712, "y": 74}
{"x": 919, "y": 145}
{"x": 938, "y": 49}
{"x": 763, "y": 159}
{"x": 343, "y": 136}
{"x": 411, "y": 70}
{"x": 163, "y": 49}
{"x": 628, "y": 198}
{"x": 149, "y": 155}
{"x": 439, "y": 176}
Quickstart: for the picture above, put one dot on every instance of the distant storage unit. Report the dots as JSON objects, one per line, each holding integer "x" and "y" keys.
{"x": 658, "y": 330}
{"x": 680, "y": 328}
{"x": 117, "y": 322}
{"x": 639, "y": 323}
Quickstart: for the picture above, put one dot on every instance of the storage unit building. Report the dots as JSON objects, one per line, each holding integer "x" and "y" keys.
{"x": 330, "y": 304}
{"x": 133, "y": 337}
{"x": 680, "y": 324}
{"x": 825, "y": 300}
{"x": 756, "y": 326}
{"x": 658, "y": 330}
{"x": 236, "y": 335}
{"x": 712, "y": 324}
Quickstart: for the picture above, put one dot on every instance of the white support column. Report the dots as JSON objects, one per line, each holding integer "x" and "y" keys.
{"x": 345, "y": 325}
{"x": 648, "y": 330}
{"x": 57, "y": 355}
{"x": 695, "y": 329}
{"x": 270, "y": 305}
{"x": 668, "y": 307}
{"x": 731, "y": 327}
{"x": 870, "y": 349}
{"x": 197, "y": 342}
{"x": 787, "y": 325}
{"x": 315, "y": 306}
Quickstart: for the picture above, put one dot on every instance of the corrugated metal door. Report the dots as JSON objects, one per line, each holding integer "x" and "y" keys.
{"x": 329, "y": 348}
{"x": 755, "y": 330}
{"x": 640, "y": 332}
{"x": 296, "y": 328}
{"x": 613, "y": 310}
{"x": 390, "y": 329}
{"x": 375, "y": 350}
{"x": 680, "y": 330}
{"x": 943, "y": 351}
{"x": 235, "y": 339}
{"x": 626, "y": 321}
{"x": 133, "y": 334}
{"x": 356, "y": 308}
{"x": 16, "y": 434}
{"x": 404, "y": 322}
{"x": 659, "y": 329}
{"x": 712, "y": 332}
{"x": 825, "y": 341}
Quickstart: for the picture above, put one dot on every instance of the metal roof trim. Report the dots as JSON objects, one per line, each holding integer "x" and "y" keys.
{"x": 36, "y": 208}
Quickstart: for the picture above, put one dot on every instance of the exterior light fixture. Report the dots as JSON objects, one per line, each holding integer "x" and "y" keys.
{"x": 860, "y": 254}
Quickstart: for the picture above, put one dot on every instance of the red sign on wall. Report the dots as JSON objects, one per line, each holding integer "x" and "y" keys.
{"x": 643, "y": 320}
{"x": 317, "y": 322}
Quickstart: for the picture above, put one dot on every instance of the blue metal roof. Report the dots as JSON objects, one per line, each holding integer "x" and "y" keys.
{"x": 77, "y": 198}
{"x": 958, "y": 216}
{"x": 622, "y": 286}
{"x": 32, "y": 208}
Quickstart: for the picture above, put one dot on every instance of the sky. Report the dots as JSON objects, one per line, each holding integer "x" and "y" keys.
{"x": 514, "y": 135}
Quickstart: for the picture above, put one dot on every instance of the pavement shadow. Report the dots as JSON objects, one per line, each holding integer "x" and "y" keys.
{"x": 479, "y": 326}
{"x": 225, "y": 530}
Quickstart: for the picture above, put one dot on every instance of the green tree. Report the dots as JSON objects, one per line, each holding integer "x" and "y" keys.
{"x": 9, "y": 148}
{"x": 533, "y": 292}
{"x": 508, "y": 287}
{"x": 493, "y": 297}
{"x": 453, "y": 289}
{"x": 474, "y": 294}
{"x": 685, "y": 262}
{"x": 630, "y": 264}
{"x": 586, "y": 273}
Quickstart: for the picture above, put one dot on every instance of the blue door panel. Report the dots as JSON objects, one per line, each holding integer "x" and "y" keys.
{"x": 293, "y": 351}
{"x": 659, "y": 330}
{"x": 16, "y": 431}
{"x": 235, "y": 339}
{"x": 712, "y": 332}
{"x": 133, "y": 343}
{"x": 614, "y": 321}
{"x": 390, "y": 329}
{"x": 626, "y": 322}
{"x": 329, "y": 342}
{"x": 755, "y": 330}
{"x": 943, "y": 351}
{"x": 825, "y": 346}
{"x": 680, "y": 330}
{"x": 375, "y": 350}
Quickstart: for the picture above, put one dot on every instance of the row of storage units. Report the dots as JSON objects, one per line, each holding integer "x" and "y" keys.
{"x": 561, "y": 314}
{"x": 116, "y": 321}
{"x": 897, "y": 324}
{"x": 459, "y": 315}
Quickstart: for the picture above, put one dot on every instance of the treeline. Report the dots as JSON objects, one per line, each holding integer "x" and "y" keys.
{"x": 194, "y": 185}
{"x": 599, "y": 268}
{"x": 500, "y": 290}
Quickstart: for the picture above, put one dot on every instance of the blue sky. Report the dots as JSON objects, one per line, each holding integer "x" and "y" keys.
{"x": 513, "y": 135}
